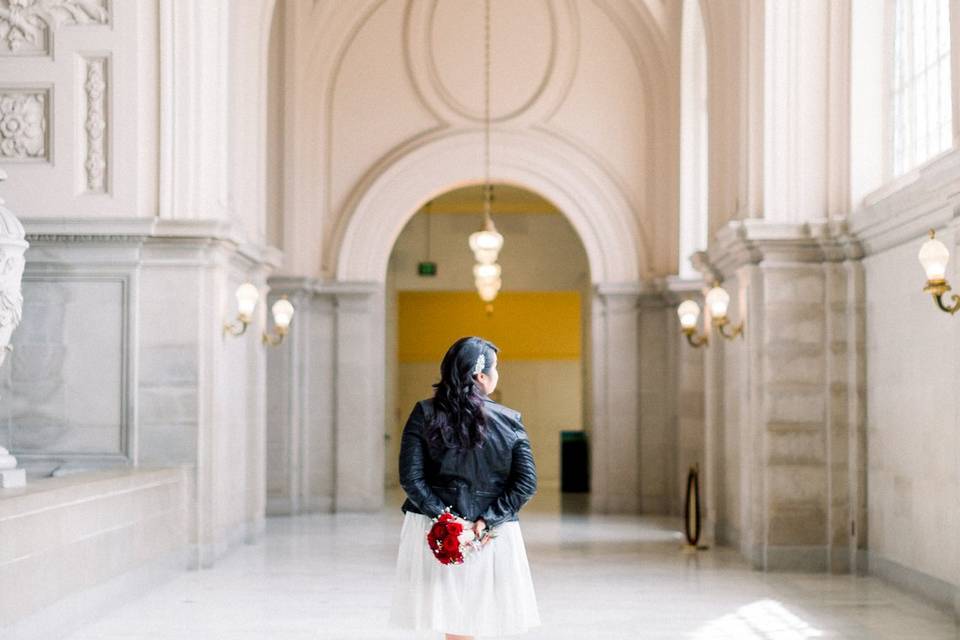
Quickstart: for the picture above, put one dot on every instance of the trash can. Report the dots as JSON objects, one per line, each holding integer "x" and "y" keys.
{"x": 574, "y": 461}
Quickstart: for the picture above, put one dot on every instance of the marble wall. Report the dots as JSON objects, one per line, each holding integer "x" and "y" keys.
{"x": 911, "y": 413}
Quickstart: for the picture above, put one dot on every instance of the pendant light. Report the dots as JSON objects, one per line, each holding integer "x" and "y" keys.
{"x": 487, "y": 242}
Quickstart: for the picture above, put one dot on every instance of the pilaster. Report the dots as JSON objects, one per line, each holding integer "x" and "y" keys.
{"x": 791, "y": 387}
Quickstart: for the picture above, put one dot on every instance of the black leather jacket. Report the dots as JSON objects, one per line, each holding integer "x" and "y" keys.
{"x": 491, "y": 482}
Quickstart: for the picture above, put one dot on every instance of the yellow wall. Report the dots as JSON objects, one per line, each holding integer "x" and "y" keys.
{"x": 525, "y": 325}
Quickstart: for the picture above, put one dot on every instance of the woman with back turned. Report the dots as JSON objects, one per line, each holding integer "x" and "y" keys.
{"x": 464, "y": 452}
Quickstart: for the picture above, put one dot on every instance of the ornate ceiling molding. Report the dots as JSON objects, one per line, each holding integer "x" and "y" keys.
{"x": 26, "y": 25}
{"x": 541, "y": 97}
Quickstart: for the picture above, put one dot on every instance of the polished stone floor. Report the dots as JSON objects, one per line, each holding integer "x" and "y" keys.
{"x": 596, "y": 577}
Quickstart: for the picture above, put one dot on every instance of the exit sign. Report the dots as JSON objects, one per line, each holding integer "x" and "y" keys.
{"x": 427, "y": 269}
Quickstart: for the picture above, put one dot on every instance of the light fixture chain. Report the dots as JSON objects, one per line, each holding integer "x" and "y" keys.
{"x": 486, "y": 110}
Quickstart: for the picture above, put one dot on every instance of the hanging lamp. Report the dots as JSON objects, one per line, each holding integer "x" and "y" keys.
{"x": 487, "y": 242}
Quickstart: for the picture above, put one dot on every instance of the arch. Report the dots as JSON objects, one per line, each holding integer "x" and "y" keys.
{"x": 535, "y": 160}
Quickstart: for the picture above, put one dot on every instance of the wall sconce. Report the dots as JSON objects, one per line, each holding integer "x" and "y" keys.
{"x": 247, "y": 296}
{"x": 934, "y": 257}
{"x": 282, "y": 315}
{"x": 717, "y": 300}
{"x": 689, "y": 311}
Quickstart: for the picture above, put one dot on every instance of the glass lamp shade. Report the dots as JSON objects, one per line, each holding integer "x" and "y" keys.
{"x": 282, "y": 313}
{"x": 717, "y": 300}
{"x": 486, "y": 272}
{"x": 247, "y": 296}
{"x": 688, "y": 311}
{"x": 934, "y": 256}
{"x": 488, "y": 290}
{"x": 486, "y": 245}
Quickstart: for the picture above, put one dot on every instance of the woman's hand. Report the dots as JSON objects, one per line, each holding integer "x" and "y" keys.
{"x": 478, "y": 528}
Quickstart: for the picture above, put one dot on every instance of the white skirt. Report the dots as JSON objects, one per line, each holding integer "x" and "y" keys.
{"x": 490, "y": 594}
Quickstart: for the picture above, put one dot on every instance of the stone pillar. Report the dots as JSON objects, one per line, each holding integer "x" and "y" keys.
{"x": 789, "y": 386}
{"x": 360, "y": 396}
{"x": 327, "y": 398}
{"x": 615, "y": 423}
{"x": 301, "y": 437}
{"x": 658, "y": 396}
{"x": 686, "y": 420}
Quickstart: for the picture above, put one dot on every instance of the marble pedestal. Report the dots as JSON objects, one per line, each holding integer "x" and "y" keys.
{"x": 11, "y": 478}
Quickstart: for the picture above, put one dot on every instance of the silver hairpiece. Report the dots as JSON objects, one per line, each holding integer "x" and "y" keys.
{"x": 481, "y": 363}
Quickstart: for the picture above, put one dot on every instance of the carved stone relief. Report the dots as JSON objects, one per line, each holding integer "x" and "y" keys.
{"x": 25, "y": 25}
{"x": 23, "y": 124}
{"x": 95, "y": 163}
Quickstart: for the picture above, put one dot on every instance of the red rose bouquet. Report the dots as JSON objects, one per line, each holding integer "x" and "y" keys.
{"x": 451, "y": 539}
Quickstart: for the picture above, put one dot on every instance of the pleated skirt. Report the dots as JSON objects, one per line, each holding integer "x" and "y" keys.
{"x": 489, "y": 595}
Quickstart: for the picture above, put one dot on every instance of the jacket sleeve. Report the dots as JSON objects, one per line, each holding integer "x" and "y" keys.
{"x": 413, "y": 456}
{"x": 521, "y": 483}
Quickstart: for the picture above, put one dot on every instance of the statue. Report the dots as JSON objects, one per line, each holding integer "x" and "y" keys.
{"x": 12, "y": 247}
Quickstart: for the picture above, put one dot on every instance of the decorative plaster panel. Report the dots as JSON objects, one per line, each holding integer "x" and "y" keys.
{"x": 531, "y": 70}
{"x": 94, "y": 78}
{"x": 23, "y": 124}
{"x": 26, "y": 25}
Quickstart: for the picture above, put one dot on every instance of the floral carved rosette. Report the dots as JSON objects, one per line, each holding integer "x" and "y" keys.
{"x": 12, "y": 248}
{"x": 451, "y": 539}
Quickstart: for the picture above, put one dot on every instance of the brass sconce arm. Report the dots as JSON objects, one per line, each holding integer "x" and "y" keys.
{"x": 275, "y": 338}
{"x": 722, "y": 323}
{"x": 937, "y": 288}
{"x": 237, "y": 327}
{"x": 696, "y": 340}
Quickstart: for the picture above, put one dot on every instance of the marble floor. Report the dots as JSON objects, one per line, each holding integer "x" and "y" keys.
{"x": 596, "y": 577}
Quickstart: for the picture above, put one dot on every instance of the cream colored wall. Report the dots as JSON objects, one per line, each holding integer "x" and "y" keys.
{"x": 541, "y": 252}
{"x": 912, "y": 440}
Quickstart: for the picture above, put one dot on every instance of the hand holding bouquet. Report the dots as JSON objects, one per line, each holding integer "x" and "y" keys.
{"x": 451, "y": 538}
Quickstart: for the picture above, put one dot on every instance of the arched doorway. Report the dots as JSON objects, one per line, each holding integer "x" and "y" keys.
{"x": 537, "y": 320}
{"x": 605, "y": 224}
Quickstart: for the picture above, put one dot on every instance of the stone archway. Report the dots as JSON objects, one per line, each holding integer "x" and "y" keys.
{"x": 600, "y": 215}
{"x": 561, "y": 173}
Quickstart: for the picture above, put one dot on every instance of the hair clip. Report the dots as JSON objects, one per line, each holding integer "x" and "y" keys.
{"x": 481, "y": 363}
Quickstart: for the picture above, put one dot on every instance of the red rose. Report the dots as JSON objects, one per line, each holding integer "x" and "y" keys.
{"x": 451, "y": 544}
{"x": 454, "y": 529}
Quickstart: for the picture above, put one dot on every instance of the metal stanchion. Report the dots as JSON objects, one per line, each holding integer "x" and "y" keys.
{"x": 691, "y": 512}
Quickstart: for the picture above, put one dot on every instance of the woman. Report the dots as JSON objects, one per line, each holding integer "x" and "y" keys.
{"x": 462, "y": 450}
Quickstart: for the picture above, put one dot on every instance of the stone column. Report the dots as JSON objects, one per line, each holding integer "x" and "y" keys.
{"x": 360, "y": 396}
{"x": 788, "y": 497}
{"x": 615, "y": 424}
{"x": 327, "y": 398}
{"x": 301, "y": 394}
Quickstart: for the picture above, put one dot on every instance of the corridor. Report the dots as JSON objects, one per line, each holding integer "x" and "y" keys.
{"x": 603, "y": 577}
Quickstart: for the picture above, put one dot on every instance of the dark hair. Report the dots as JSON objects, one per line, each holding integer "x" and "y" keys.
{"x": 459, "y": 420}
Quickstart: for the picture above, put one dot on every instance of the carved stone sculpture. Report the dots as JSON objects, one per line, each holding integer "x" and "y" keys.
{"x": 12, "y": 248}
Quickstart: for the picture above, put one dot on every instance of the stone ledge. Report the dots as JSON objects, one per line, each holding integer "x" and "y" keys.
{"x": 46, "y": 493}
{"x": 757, "y": 241}
{"x": 903, "y": 211}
